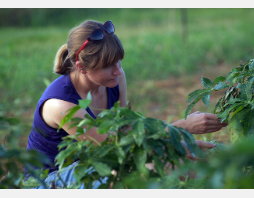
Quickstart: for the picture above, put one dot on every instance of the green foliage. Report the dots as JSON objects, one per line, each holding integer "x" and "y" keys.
{"x": 237, "y": 105}
{"x": 13, "y": 159}
{"x": 138, "y": 140}
{"x": 121, "y": 158}
{"x": 151, "y": 38}
{"x": 230, "y": 168}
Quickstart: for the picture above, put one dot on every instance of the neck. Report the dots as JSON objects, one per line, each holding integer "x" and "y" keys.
{"x": 83, "y": 85}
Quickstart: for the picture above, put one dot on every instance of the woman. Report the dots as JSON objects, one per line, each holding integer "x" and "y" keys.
{"x": 90, "y": 62}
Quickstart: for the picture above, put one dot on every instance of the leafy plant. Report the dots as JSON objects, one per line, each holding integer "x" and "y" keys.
{"x": 121, "y": 158}
{"x": 13, "y": 159}
{"x": 237, "y": 105}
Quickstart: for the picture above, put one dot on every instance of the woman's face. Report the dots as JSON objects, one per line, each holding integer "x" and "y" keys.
{"x": 107, "y": 77}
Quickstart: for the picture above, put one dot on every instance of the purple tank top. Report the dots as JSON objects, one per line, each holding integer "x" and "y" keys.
{"x": 44, "y": 138}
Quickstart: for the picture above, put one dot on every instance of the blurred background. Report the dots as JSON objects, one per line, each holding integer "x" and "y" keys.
{"x": 166, "y": 53}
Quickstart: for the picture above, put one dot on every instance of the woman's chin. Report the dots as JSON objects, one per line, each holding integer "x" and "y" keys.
{"x": 112, "y": 83}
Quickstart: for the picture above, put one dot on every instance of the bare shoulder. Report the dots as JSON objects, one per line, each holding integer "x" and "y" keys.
{"x": 53, "y": 111}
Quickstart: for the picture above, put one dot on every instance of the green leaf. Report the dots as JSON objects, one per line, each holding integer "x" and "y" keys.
{"x": 232, "y": 77}
{"x": 126, "y": 140}
{"x": 154, "y": 125}
{"x": 102, "y": 169}
{"x": 117, "y": 105}
{"x": 159, "y": 165}
{"x": 218, "y": 79}
{"x": 176, "y": 140}
{"x": 129, "y": 114}
{"x": 248, "y": 123}
{"x": 147, "y": 147}
{"x": 64, "y": 143}
{"x": 206, "y": 99}
{"x": 157, "y": 146}
{"x": 85, "y": 122}
{"x": 81, "y": 170}
{"x": 105, "y": 126}
{"x": 105, "y": 113}
{"x": 225, "y": 114}
{"x": 240, "y": 114}
{"x": 80, "y": 130}
{"x": 118, "y": 185}
{"x": 238, "y": 109}
{"x": 188, "y": 110}
{"x": 206, "y": 82}
{"x": 218, "y": 104}
{"x": 196, "y": 94}
{"x": 104, "y": 150}
{"x": 251, "y": 65}
{"x": 121, "y": 155}
{"x": 140, "y": 157}
{"x": 61, "y": 157}
{"x": 123, "y": 121}
{"x": 138, "y": 131}
{"x": 89, "y": 96}
{"x": 221, "y": 85}
{"x": 246, "y": 92}
{"x": 191, "y": 144}
{"x": 68, "y": 117}
{"x": 250, "y": 82}
{"x": 84, "y": 103}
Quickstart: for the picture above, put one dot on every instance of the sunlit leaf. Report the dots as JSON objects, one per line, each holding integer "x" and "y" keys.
{"x": 221, "y": 85}
{"x": 69, "y": 116}
{"x": 206, "y": 82}
{"x": 206, "y": 99}
{"x": 84, "y": 103}
{"x": 196, "y": 94}
{"x": 126, "y": 140}
{"x": 138, "y": 132}
{"x": 218, "y": 79}
{"x": 189, "y": 108}
{"x": 121, "y": 155}
{"x": 104, "y": 127}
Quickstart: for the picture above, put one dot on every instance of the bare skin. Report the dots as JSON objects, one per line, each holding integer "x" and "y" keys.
{"x": 200, "y": 123}
{"x": 85, "y": 81}
{"x": 95, "y": 81}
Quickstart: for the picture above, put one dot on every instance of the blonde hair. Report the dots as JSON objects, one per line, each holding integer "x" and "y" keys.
{"x": 94, "y": 55}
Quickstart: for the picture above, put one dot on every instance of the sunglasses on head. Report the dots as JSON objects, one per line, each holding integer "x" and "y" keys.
{"x": 97, "y": 35}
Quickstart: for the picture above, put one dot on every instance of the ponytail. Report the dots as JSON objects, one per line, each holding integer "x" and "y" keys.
{"x": 62, "y": 63}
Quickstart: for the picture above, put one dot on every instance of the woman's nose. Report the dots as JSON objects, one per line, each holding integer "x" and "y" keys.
{"x": 118, "y": 70}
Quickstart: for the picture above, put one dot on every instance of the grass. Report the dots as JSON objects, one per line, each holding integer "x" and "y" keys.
{"x": 154, "y": 50}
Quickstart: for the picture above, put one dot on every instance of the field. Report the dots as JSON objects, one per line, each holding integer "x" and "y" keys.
{"x": 165, "y": 56}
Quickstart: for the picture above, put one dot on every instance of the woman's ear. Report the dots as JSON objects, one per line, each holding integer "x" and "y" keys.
{"x": 80, "y": 67}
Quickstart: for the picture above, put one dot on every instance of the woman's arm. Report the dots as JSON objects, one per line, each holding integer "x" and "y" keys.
{"x": 53, "y": 112}
{"x": 122, "y": 90}
{"x": 200, "y": 123}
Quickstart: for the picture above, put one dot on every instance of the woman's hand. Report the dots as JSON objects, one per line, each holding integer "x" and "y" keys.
{"x": 200, "y": 123}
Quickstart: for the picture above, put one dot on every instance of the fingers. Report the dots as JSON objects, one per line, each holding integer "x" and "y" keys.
{"x": 210, "y": 116}
{"x": 202, "y": 144}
